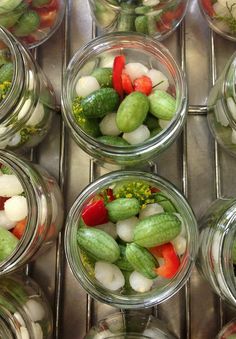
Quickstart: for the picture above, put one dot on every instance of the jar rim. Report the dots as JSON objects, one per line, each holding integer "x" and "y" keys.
{"x": 142, "y": 300}
{"x": 124, "y": 152}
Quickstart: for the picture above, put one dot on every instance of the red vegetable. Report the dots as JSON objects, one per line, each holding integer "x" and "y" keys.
{"x": 169, "y": 16}
{"x": 127, "y": 83}
{"x": 2, "y": 202}
{"x": 143, "y": 85}
{"x": 95, "y": 213}
{"x": 172, "y": 262}
{"x": 19, "y": 229}
{"x": 154, "y": 190}
{"x": 118, "y": 66}
{"x": 47, "y": 18}
{"x": 208, "y": 8}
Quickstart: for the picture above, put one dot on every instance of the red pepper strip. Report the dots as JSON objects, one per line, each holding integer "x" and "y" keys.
{"x": 208, "y": 7}
{"x": 154, "y": 190}
{"x": 2, "y": 202}
{"x": 172, "y": 262}
{"x": 118, "y": 66}
{"x": 19, "y": 229}
{"x": 95, "y": 213}
{"x": 169, "y": 16}
{"x": 127, "y": 83}
{"x": 110, "y": 195}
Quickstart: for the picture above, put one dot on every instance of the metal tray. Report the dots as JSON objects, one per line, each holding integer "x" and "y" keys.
{"x": 193, "y": 163}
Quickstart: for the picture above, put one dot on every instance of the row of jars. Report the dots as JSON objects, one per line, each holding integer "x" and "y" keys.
{"x": 33, "y": 22}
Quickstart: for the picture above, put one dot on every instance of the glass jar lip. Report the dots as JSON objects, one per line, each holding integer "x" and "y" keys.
{"x": 153, "y": 142}
{"x": 214, "y": 27}
{"x": 17, "y": 164}
{"x": 146, "y": 299}
{"x": 61, "y": 13}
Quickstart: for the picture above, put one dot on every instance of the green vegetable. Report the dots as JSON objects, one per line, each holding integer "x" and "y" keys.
{"x": 103, "y": 76}
{"x": 8, "y": 5}
{"x": 99, "y": 103}
{"x": 167, "y": 205}
{"x": 143, "y": 9}
{"x": 112, "y": 140}
{"x": 157, "y": 229}
{"x": 98, "y": 244}
{"x": 28, "y": 23}
{"x": 8, "y": 243}
{"x": 6, "y": 72}
{"x": 134, "y": 189}
{"x": 155, "y": 132}
{"x": 123, "y": 208}
{"x": 141, "y": 260}
{"x": 234, "y": 252}
{"x": 141, "y": 24}
{"x": 126, "y": 22}
{"x": 88, "y": 263}
{"x": 162, "y": 105}
{"x": 40, "y": 3}
{"x": 9, "y": 19}
{"x": 122, "y": 262}
{"x": 6, "y": 170}
{"x": 4, "y": 88}
{"x": 132, "y": 112}
{"x": 152, "y": 122}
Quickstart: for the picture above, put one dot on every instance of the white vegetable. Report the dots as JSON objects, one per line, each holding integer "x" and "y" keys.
{"x": 233, "y": 136}
{"x": 10, "y": 185}
{"x": 150, "y": 2}
{"x": 25, "y": 109}
{"x": 16, "y": 208}
{"x": 37, "y": 115}
{"x": 149, "y": 210}
{"x": 35, "y": 310}
{"x": 54, "y": 207}
{"x": 43, "y": 209}
{"x": 108, "y": 125}
{"x": 24, "y": 333}
{"x": 220, "y": 9}
{"x": 158, "y": 77}
{"x": 109, "y": 228}
{"x": 164, "y": 123}
{"x": 125, "y": 228}
{"x": 109, "y": 275}
{"x": 19, "y": 318}
{"x": 3, "y": 130}
{"x": 138, "y": 136}
{"x": 107, "y": 61}
{"x": 15, "y": 140}
{"x": 180, "y": 244}
{"x": 86, "y": 85}
{"x": 37, "y": 330}
{"x": 5, "y": 222}
{"x": 139, "y": 283}
{"x": 232, "y": 107}
{"x": 135, "y": 70}
{"x": 226, "y": 3}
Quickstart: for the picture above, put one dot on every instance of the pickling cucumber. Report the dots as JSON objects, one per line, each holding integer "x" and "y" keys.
{"x": 157, "y": 229}
{"x": 99, "y": 103}
{"x": 6, "y": 72}
{"x": 112, "y": 140}
{"x": 98, "y": 244}
{"x": 8, "y": 5}
{"x": 103, "y": 76}
{"x": 167, "y": 205}
{"x": 123, "y": 262}
{"x": 132, "y": 112}
{"x": 141, "y": 260}
{"x": 122, "y": 208}
{"x": 28, "y": 23}
{"x": 162, "y": 105}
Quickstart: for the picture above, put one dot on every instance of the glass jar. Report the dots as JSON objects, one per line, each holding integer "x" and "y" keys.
{"x": 100, "y": 53}
{"x": 24, "y": 309}
{"x": 222, "y": 108}
{"x": 134, "y": 324}
{"x": 31, "y": 211}
{"x": 220, "y": 16}
{"x": 217, "y": 248}
{"x": 153, "y": 17}
{"x": 125, "y": 293}
{"x": 27, "y": 100}
{"x": 32, "y": 22}
{"x": 228, "y": 331}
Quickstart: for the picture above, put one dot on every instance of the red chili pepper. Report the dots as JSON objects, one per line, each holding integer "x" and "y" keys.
{"x": 118, "y": 66}
{"x": 172, "y": 262}
{"x": 110, "y": 195}
{"x": 143, "y": 85}
{"x": 95, "y": 213}
{"x": 208, "y": 7}
{"x": 127, "y": 83}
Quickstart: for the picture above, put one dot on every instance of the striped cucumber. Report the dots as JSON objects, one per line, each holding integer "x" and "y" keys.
{"x": 98, "y": 244}
{"x": 122, "y": 262}
{"x": 157, "y": 229}
{"x": 165, "y": 203}
{"x": 141, "y": 260}
{"x": 122, "y": 208}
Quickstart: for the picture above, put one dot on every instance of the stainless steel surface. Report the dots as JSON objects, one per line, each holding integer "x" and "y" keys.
{"x": 193, "y": 163}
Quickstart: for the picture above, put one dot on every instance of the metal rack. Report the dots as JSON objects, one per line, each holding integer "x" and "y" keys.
{"x": 195, "y": 312}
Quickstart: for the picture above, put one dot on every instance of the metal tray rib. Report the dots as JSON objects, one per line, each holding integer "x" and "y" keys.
{"x": 193, "y": 163}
